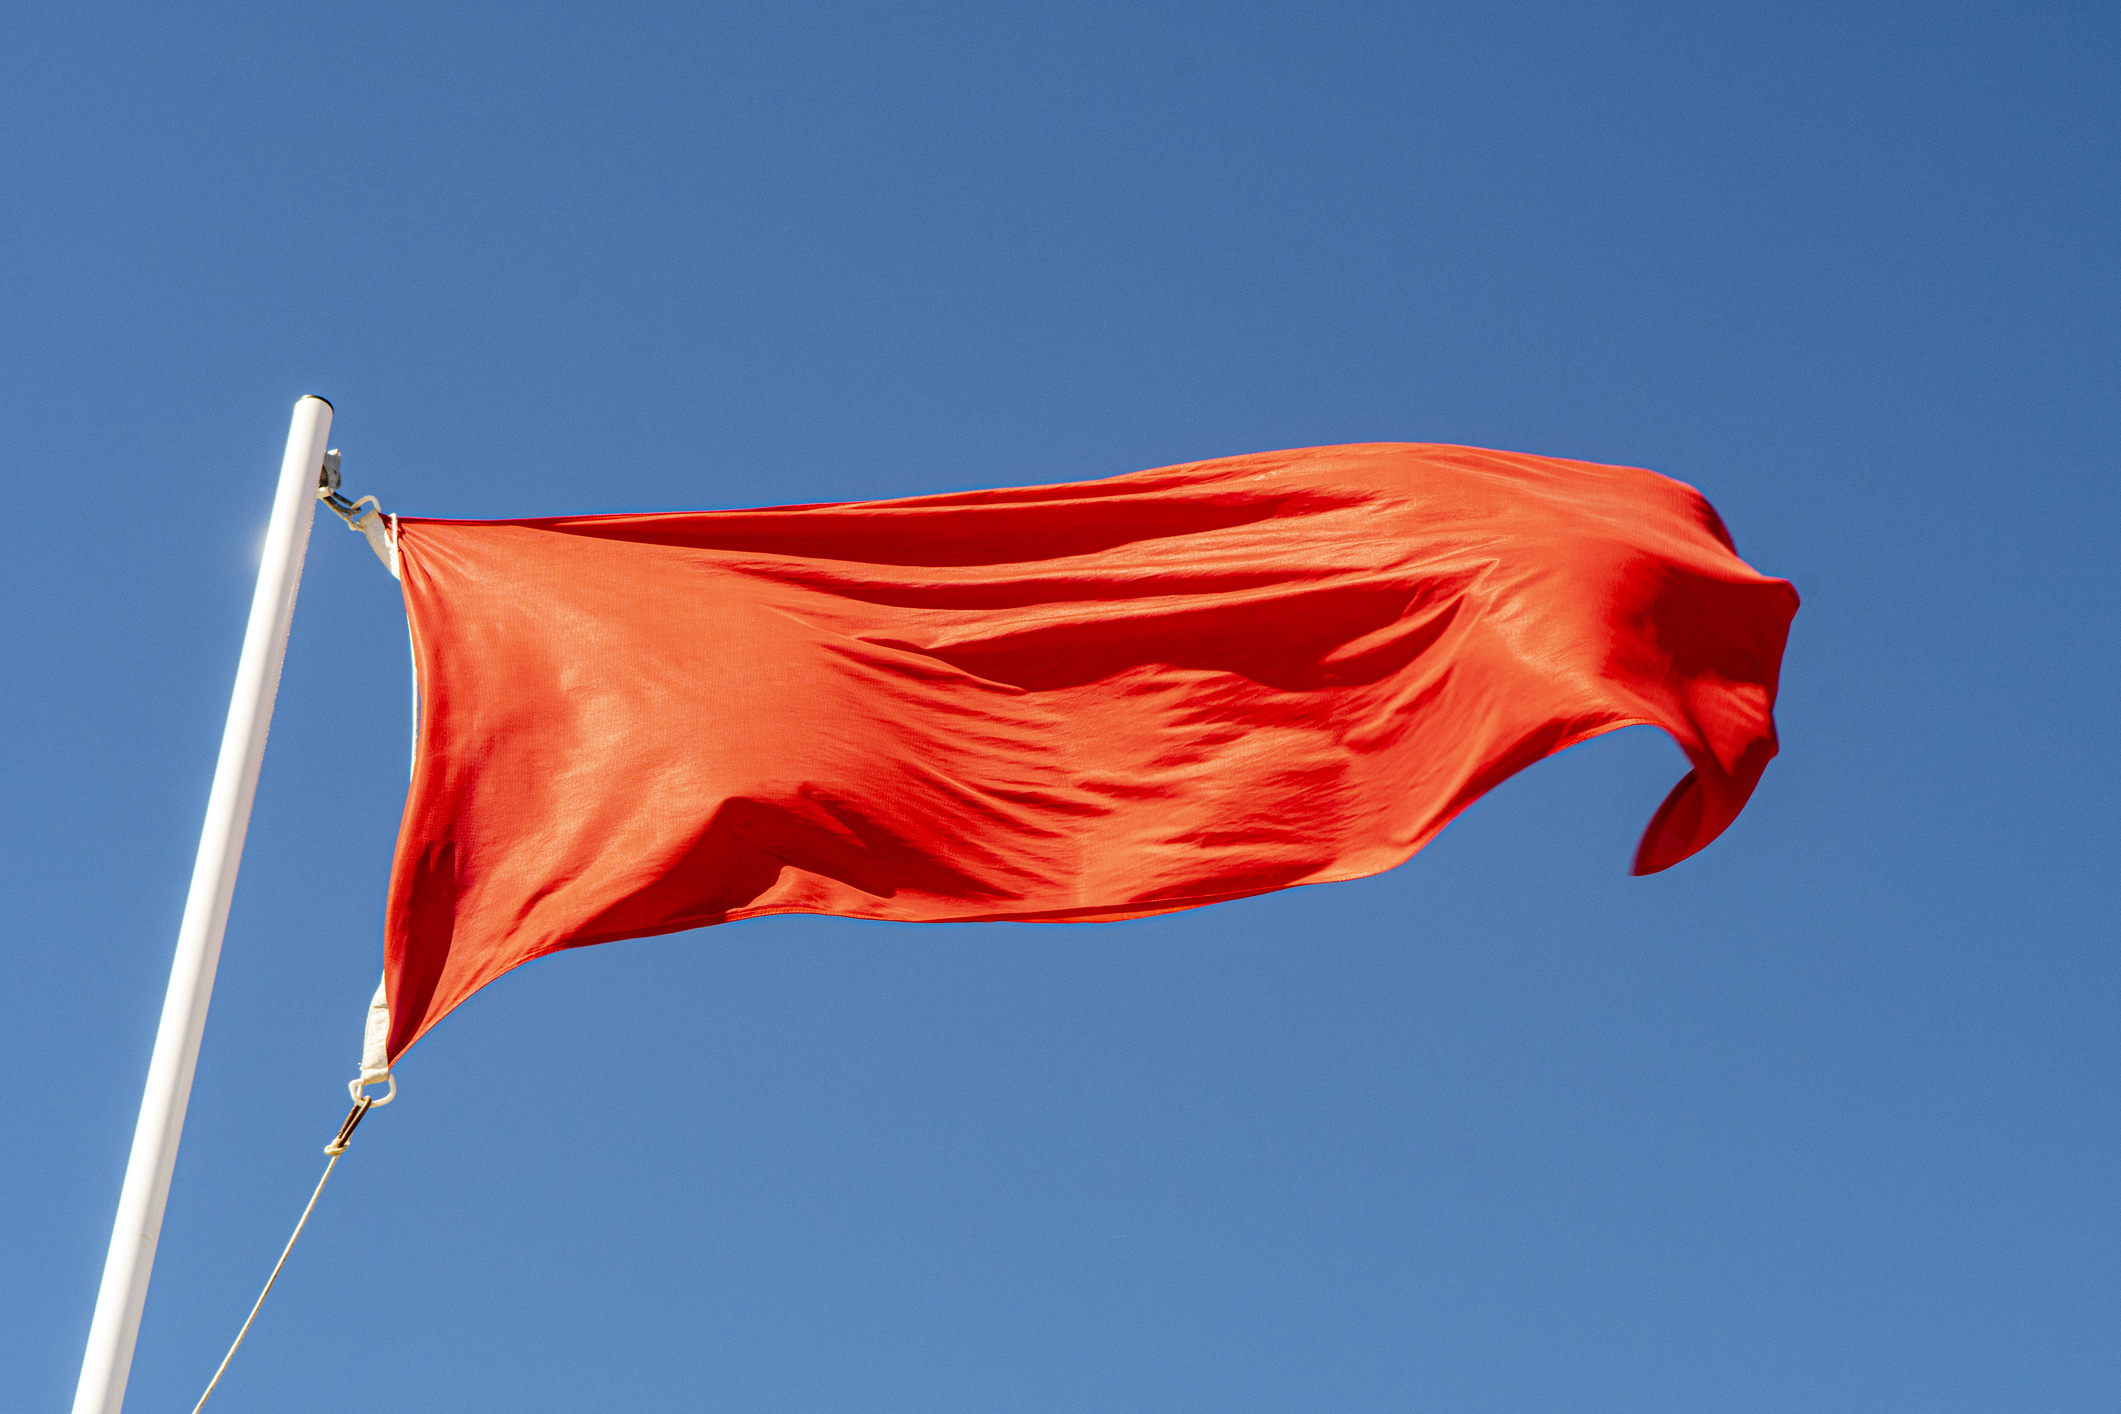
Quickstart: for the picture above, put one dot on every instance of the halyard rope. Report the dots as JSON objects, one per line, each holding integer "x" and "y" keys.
{"x": 334, "y": 1149}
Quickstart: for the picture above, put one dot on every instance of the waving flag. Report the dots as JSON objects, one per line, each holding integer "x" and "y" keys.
{"x": 1057, "y": 703}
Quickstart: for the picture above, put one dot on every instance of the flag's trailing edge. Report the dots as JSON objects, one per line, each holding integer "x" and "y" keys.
{"x": 1057, "y": 703}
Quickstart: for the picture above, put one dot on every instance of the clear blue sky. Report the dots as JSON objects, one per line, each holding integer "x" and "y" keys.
{"x": 1823, "y": 1120}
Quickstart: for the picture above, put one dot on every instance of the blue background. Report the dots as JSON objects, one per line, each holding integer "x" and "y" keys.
{"x": 1823, "y": 1119}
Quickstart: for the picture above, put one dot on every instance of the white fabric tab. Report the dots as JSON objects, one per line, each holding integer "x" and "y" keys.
{"x": 375, "y": 1060}
{"x": 381, "y": 538}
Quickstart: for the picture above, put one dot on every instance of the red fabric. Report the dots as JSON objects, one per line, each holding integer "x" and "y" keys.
{"x": 1058, "y": 703}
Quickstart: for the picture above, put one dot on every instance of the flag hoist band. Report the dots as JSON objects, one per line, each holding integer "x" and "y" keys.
{"x": 1066, "y": 703}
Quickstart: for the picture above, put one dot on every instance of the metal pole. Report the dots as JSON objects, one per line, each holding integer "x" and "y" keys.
{"x": 213, "y": 881}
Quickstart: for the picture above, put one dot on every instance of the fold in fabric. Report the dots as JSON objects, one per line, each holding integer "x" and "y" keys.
{"x": 1056, "y": 703}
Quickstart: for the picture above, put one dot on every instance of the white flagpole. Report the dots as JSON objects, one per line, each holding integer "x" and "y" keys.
{"x": 213, "y": 882}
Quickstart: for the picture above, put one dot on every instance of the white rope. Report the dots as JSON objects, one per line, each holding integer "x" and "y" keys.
{"x": 337, "y": 1148}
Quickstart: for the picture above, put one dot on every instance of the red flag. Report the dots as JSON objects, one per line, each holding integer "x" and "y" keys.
{"x": 1056, "y": 703}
